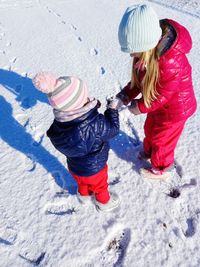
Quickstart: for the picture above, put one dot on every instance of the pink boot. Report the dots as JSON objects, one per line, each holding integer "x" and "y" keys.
{"x": 152, "y": 173}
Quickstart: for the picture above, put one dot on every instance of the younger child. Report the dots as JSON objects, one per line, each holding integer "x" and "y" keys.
{"x": 81, "y": 133}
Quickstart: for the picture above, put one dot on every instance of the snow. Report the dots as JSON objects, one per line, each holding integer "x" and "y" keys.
{"x": 41, "y": 221}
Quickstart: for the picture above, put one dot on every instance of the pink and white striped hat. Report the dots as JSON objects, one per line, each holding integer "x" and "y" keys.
{"x": 64, "y": 93}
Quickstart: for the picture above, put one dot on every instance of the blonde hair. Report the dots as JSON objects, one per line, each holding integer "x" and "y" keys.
{"x": 149, "y": 60}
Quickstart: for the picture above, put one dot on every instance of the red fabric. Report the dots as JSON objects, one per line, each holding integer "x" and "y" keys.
{"x": 160, "y": 141}
{"x": 97, "y": 184}
{"x": 176, "y": 100}
{"x": 131, "y": 93}
{"x": 174, "y": 105}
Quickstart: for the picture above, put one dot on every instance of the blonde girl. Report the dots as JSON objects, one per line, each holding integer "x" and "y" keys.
{"x": 161, "y": 73}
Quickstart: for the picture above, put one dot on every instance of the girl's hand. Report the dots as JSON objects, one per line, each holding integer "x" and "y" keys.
{"x": 114, "y": 103}
{"x": 123, "y": 97}
{"x": 133, "y": 108}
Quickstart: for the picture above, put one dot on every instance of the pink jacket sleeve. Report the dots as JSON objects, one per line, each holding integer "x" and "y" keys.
{"x": 128, "y": 94}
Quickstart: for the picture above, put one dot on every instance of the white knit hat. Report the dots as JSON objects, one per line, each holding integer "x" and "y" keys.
{"x": 139, "y": 29}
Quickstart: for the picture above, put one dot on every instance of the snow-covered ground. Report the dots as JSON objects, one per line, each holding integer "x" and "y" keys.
{"x": 41, "y": 221}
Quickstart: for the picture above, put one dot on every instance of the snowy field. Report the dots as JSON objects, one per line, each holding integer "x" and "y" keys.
{"x": 41, "y": 220}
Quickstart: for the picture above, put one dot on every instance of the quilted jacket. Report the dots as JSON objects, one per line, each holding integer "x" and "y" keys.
{"x": 84, "y": 140}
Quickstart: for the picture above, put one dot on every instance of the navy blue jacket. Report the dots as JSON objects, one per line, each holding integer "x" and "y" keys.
{"x": 84, "y": 141}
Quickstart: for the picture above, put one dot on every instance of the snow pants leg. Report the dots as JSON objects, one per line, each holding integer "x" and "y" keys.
{"x": 160, "y": 141}
{"x": 95, "y": 184}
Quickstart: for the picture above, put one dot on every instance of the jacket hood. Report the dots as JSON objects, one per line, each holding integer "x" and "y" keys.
{"x": 183, "y": 42}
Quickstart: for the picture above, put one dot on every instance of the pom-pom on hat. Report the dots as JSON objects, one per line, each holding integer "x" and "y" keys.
{"x": 139, "y": 29}
{"x": 65, "y": 93}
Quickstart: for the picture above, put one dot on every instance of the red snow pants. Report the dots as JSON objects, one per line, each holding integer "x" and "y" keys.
{"x": 95, "y": 184}
{"x": 160, "y": 141}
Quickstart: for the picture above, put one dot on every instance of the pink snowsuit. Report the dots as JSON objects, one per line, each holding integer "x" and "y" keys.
{"x": 175, "y": 103}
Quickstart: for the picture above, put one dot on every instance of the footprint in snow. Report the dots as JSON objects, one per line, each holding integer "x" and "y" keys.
{"x": 73, "y": 27}
{"x": 62, "y": 194}
{"x": 101, "y": 70}
{"x": 36, "y": 261}
{"x": 8, "y": 232}
{"x": 93, "y": 52}
{"x": 28, "y": 162}
{"x": 2, "y": 34}
{"x": 59, "y": 209}
{"x": 13, "y": 60}
{"x": 189, "y": 185}
{"x": 187, "y": 218}
{"x": 115, "y": 181}
{"x": 117, "y": 243}
{"x": 49, "y": 10}
{"x": 57, "y": 14}
{"x": 8, "y": 235}
{"x": 111, "y": 254}
{"x": 179, "y": 169}
{"x": 24, "y": 74}
{"x": 8, "y": 44}
{"x": 31, "y": 252}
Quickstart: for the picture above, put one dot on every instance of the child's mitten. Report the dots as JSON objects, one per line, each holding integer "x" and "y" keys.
{"x": 133, "y": 108}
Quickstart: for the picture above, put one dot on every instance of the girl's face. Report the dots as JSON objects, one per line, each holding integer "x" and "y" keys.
{"x": 135, "y": 54}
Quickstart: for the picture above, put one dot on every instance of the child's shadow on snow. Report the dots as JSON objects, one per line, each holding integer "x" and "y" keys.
{"x": 22, "y": 87}
{"x": 15, "y": 135}
{"x": 127, "y": 148}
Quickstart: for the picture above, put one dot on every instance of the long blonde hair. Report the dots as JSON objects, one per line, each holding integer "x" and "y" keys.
{"x": 149, "y": 60}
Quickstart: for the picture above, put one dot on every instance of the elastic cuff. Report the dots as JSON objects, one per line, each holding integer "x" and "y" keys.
{"x": 103, "y": 197}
